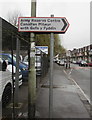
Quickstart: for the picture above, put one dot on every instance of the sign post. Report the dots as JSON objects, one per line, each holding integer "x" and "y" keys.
{"x": 58, "y": 25}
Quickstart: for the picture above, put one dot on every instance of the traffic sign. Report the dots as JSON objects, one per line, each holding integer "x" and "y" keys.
{"x": 43, "y": 24}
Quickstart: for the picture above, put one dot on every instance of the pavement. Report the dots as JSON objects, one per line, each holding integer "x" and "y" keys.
{"x": 20, "y": 111}
{"x": 68, "y": 101}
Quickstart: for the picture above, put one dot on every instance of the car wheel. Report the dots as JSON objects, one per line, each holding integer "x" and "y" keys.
{"x": 6, "y": 96}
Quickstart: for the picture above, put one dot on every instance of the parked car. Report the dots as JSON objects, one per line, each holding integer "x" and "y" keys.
{"x": 58, "y": 61}
{"x": 79, "y": 61}
{"x": 54, "y": 59}
{"x": 5, "y": 84}
{"x": 20, "y": 57}
{"x": 83, "y": 63}
{"x": 89, "y": 64}
{"x": 37, "y": 63}
{"x": 9, "y": 67}
{"x": 62, "y": 62}
{"x": 74, "y": 62}
{"x": 22, "y": 66}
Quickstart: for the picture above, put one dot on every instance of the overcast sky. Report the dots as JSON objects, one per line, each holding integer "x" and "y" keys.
{"x": 77, "y": 12}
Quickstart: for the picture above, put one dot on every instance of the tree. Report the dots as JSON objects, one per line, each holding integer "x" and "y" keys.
{"x": 44, "y": 40}
{"x": 13, "y": 17}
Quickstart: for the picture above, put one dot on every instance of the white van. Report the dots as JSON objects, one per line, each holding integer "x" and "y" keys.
{"x": 5, "y": 84}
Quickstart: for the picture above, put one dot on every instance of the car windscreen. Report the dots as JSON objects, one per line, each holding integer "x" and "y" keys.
{"x": 8, "y": 57}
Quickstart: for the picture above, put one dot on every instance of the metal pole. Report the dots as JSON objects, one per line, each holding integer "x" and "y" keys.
{"x": 32, "y": 71}
{"x": 17, "y": 73}
{"x": 1, "y": 39}
{"x": 51, "y": 75}
{"x": 13, "y": 115}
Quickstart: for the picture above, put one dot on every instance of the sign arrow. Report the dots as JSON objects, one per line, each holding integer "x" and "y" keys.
{"x": 65, "y": 24}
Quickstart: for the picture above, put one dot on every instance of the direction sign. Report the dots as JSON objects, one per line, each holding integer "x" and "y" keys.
{"x": 43, "y": 24}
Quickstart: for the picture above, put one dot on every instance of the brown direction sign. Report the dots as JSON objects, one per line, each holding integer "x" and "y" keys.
{"x": 43, "y": 24}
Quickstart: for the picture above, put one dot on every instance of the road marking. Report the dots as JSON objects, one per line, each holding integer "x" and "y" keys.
{"x": 65, "y": 72}
{"x": 88, "y": 99}
{"x": 81, "y": 90}
{"x": 70, "y": 72}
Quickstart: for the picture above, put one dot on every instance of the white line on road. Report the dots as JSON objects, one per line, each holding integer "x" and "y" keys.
{"x": 88, "y": 99}
{"x": 70, "y": 71}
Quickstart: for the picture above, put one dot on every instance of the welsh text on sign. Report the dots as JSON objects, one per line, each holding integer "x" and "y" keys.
{"x": 43, "y": 24}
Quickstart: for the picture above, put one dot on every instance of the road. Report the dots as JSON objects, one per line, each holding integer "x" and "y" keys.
{"x": 81, "y": 76}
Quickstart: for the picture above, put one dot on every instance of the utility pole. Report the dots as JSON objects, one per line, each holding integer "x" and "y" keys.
{"x": 51, "y": 75}
{"x": 32, "y": 71}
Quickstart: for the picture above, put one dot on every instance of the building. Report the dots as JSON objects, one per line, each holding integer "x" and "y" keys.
{"x": 84, "y": 53}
